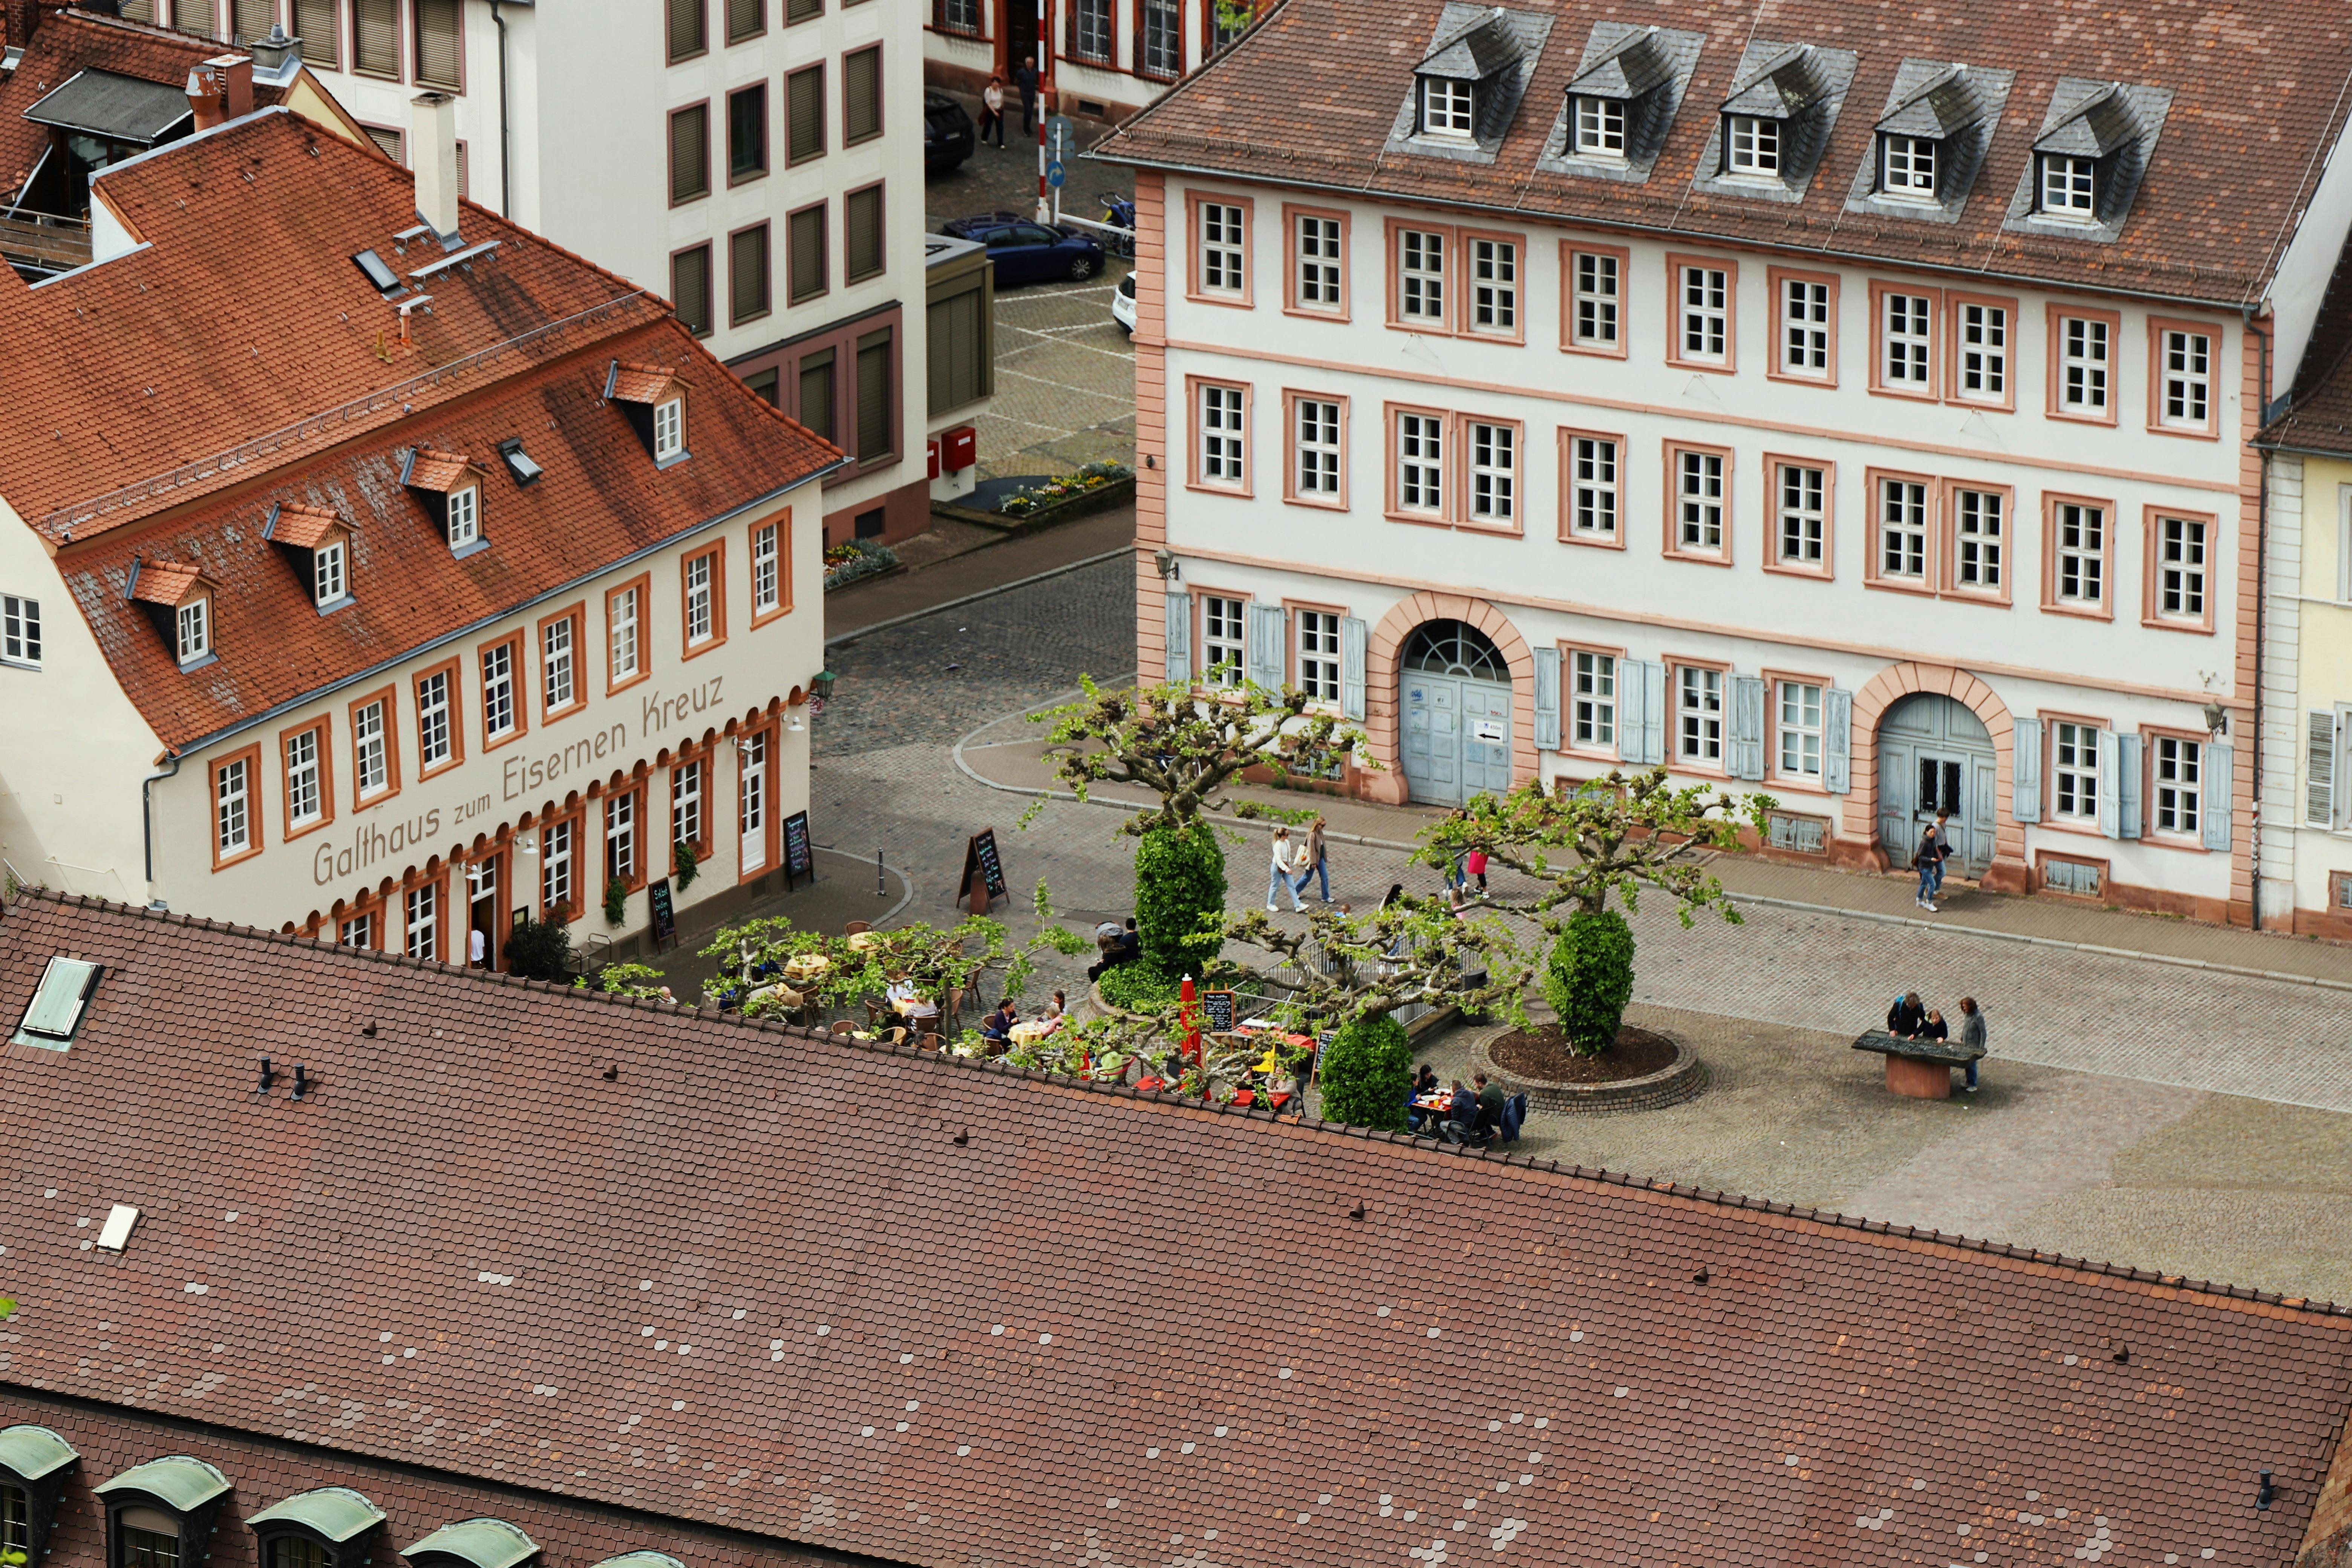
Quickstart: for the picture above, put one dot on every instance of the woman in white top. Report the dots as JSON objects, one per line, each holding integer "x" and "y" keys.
{"x": 1283, "y": 868}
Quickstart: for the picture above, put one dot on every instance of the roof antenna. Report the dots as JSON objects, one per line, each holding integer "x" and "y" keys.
{"x": 268, "y": 1078}
{"x": 301, "y": 1081}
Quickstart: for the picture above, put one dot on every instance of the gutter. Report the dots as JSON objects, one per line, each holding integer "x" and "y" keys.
{"x": 147, "y": 821}
{"x": 506, "y": 177}
{"x": 2262, "y": 603}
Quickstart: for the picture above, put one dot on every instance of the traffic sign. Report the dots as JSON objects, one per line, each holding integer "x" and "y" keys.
{"x": 1061, "y": 137}
{"x": 1053, "y": 173}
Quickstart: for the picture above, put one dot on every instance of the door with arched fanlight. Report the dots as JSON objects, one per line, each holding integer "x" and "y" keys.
{"x": 1454, "y": 691}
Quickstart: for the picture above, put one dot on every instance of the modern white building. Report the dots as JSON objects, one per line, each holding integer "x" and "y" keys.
{"x": 371, "y": 568}
{"x": 1102, "y": 58}
{"x": 1853, "y": 405}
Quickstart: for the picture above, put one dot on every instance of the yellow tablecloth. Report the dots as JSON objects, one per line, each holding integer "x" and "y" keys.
{"x": 860, "y": 942}
{"x": 808, "y": 966}
{"x": 1037, "y": 1030}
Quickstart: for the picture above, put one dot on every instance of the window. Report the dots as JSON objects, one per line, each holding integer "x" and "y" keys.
{"x": 370, "y": 748}
{"x": 621, "y": 837}
{"x": 1804, "y": 515}
{"x": 1983, "y": 332}
{"x": 686, "y": 29}
{"x": 959, "y": 16}
{"x": 357, "y": 931}
{"x": 689, "y": 288}
{"x": 767, "y": 569}
{"x": 1907, "y": 167}
{"x": 1220, "y": 640}
{"x": 1698, "y": 501}
{"x": 1906, "y": 334}
{"x": 804, "y": 276}
{"x": 1222, "y": 413}
{"x": 434, "y": 744}
{"x": 319, "y": 24}
{"x": 2083, "y": 347}
{"x": 689, "y": 153}
{"x": 1220, "y": 249}
{"x": 1706, "y": 302}
{"x": 2074, "y": 772}
{"x": 232, "y": 808}
{"x": 1600, "y": 127}
{"x": 20, "y": 630}
{"x": 1751, "y": 145}
{"x": 1977, "y": 519}
{"x": 861, "y": 95}
{"x": 2180, "y": 568}
{"x": 1494, "y": 471}
{"x": 1592, "y": 692}
{"x": 1445, "y": 107}
{"x": 465, "y": 516}
{"x": 2176, "y": 769}
{"x": 424, "y": 921}
{"x": 746, "y": 19}
{"x": 876, "y": 427}
{"x": 440, "y": 44}
{"x": 1421, "y": 276}
{"x": 305, "y": 795}
{"x": 751, "y": 802}
{"x": 862, "y": 255}
{"x": 329, "y": 581}
{"x": 669, "y": 429}
{"x": 1799, "y": 730}
{"x": 2069, "y": 186}
{"x": 1805, "y": 306}
{"x": 2079, "y": 543}
{"x": 556, "y": 687}
{"x": 1318, "y": 264}
{"x": 148, "y": 1538}
{"x": 1494, "y": 286}
{"x": 1592, "y": 487}
{"x": 686, "y": 803}
{"x": 960, "y": 343}
{"x": 803, "y": 10}
{"x": 1420, "y": 463}
{"x": 746, "y": 274}
{"x": 1163, "y": 51}
{"x": 1229, "y": 22}
{"x": 375, "y": 37}
{"x": 499, "y": 716}
{"x": 1595, "y": 301}
{"x": 1902, "y": 530}
{"x": 1090, "y": 36}
{"x": 392, "y": 143}
{"x": 1316, "y": 447}
{"x": 1318, "y": 655}
{"x": 1698, "y": 709}
{"x": 747, "y": 133}
{"x": 805, "y": 115}
{"x": 555, "y": 851}
{"x": 816, "y": 393}
{"x": 2186, "y": 369}
{"x": 193, "y": 625}
{"x": 701, "y": 623}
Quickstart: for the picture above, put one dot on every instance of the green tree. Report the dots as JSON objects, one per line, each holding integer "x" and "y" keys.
{"x": 1367, "y": 1074}
{"x": 1180, "y": 893}
{"x": 1591, "y": 979}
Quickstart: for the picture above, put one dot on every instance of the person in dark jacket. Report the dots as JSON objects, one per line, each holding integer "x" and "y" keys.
{"x": 1490, "y": 1103}
{"x": 1461, "y": 1122}
{"x": 1934, "y": 1028}
{"x": 1904, "y": 1019}
{"x": 1024, "y": 76}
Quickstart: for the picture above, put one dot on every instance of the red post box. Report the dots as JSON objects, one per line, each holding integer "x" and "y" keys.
{"x": 932, "y": 449}
{"x": 961, "y": 448}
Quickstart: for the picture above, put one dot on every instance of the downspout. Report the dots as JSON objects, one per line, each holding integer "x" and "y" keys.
{"x": 2261, "y": 602}
{"x": 147, "y": 822}
{"x": 506, "y": 163}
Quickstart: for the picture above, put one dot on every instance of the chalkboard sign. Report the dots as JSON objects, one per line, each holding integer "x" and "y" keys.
{"x": 665, "y": 917}
{"x": 797, "y": 863}
{"x": 1217, "y": 1012}
{"x": 980, "y": 860}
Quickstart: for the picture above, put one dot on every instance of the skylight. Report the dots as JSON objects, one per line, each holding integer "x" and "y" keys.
{"x": 378, "y": 274}
{"x": 519, "y": 462}
{"x": 56, "y": 1012}
{"x": 115, "y": 1235}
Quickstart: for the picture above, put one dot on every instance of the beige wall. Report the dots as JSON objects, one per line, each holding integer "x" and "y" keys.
{"x": 2323, "y": 667}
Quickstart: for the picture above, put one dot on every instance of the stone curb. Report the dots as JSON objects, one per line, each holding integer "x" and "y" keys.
{"x": 1684, "y": 1079}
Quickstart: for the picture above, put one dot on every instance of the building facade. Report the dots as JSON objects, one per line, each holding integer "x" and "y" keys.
{"x": 1102, "y": 58}
{"x": 480, "y": 592}
{"x": 1856, "y": 426}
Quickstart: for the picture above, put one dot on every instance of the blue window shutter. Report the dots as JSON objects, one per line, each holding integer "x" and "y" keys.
{"x": 1837, "y": 741}
{"x": 2025, "y": 771}
{"x": 1353, "y": 637}
{"x": 1547, "y": 700}
{"x": 1631, "y": 745}
{"x": 1180, "y": 636}
{"x": 1267, "y": 653}
{"x": 2214, "y": 810}
{"x": 1653, "y": 713}
{"x": 2128, "y": 804}
{"x": 1747, "y": 727}
{"x": 2110, "y": 806}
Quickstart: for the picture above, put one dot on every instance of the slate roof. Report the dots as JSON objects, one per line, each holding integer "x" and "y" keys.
{"x": 950, "y": 1314}
{"x": 1307, "y": 98}
{"x": 108, "y": 104}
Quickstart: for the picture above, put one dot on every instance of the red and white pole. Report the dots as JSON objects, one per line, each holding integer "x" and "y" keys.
{"x": 1191, "y": 1021}
{"x": 1044, "y": 208}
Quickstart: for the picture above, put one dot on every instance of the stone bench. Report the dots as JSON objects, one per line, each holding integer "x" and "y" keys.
{"x": 1918, "y": 1069}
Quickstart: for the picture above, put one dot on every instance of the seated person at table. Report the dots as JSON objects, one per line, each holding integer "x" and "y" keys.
{"x": 911, "y": 1005}
{"x": 1461, "y": 1123}
{"x": 1905, "y": 1019}
{"x": 1425, "y": 1080}
{"x": 998, "y": 1025}
{"x": 1051, "y": 1011}
{"x": 1490, "y": 1103}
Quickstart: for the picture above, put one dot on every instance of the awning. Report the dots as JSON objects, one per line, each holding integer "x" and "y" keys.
{"x": 484, "y": 1542}
{"x": 177, "y": 1480}
{"x": 338, "y": 1513}
{"x": 32, "y": 1452}
{"x": 118, "y": 108}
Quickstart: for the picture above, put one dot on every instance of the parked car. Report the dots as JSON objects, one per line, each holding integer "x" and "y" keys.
{"x": 1122, "y": 303}
{"x": 947, "y": 134}
{"x": 1029, "y": 252}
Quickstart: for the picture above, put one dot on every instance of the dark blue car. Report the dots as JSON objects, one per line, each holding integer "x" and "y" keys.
{"x": 1030, "y": 252}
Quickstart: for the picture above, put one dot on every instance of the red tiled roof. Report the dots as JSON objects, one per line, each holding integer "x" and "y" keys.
{"x": 438, "y": 470}
{"x": 950, "y": 1314}
{"x": 1308, "y": 99}
{"x": 245, "y": 325}
{"x": 160, "y": 583}
{"x": 302, "y": 526}
{"x": 640, "y": 382}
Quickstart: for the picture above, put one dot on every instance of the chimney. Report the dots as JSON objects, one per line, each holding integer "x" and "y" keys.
{"x": 221, "y": 89}
{"x": 277, "y": 57}
{"x": 433, "y": 154}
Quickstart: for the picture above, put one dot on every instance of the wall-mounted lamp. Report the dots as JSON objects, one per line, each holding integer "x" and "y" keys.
{"x": 2217, "y": 718}
{"x": 794, "y": 724}
{"x": 1165, "y": 559}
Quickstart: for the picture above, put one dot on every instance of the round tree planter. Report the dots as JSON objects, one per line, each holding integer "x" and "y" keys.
{"x": 1684, "y": 1079}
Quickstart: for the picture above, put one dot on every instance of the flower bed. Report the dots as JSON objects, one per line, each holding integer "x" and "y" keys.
{"x": 1030, "y": 499}
{"x": 853, "y": 562}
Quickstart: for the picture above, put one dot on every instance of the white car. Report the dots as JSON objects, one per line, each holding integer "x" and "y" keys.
{"x": 1122, "y": 303}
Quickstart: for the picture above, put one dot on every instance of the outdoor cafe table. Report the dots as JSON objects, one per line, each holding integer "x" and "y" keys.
{"x": 861, "y": 941}
{"x": 807, "y": 966}
{"x": 1038, "y": 1029}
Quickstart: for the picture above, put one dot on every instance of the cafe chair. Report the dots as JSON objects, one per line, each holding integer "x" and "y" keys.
{"x": 845, "y": 1027}
{"x": 854, "y": 927}
{"x": 876, "y": 1009}
{"x": 895, "y": 1035}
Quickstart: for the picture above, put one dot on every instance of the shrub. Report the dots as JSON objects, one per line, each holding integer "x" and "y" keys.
{"x": 616, "y": 901}
{"x": 1180, "y": 881}
{"x": 539, "y": 950}
{"x": 1137, "y": 987}
{"x": 1367, "y": 1074}
{"x": 1591, "y": 979}
{"x": 682, "y": 857}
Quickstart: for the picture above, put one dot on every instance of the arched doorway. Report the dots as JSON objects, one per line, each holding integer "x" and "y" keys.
{"x": 1455, "y": 691}
{"x": 1934, "y": 754}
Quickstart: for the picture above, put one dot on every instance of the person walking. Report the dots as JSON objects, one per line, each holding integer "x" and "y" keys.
{"x": 991, "y": 109}
{"x": 1972, "y": 1035}
{"x": 1025, "y": 77}
{"x": 1474, "y": 864}
{"x": 1929, "y": 863}
{"x": 1312, "y": 863}
{"x": 1283, "y": 869}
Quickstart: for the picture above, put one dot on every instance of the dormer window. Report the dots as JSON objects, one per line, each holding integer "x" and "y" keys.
{"x": 2069, "y": 186}
{"x": 1930, "y": 141}
{"x": 1906, "y": 167}
{"x": 158, "y": 1514}
{"x": 329, "y": 582}
{"x": 1771, "y": 131}
{"x": 34, "y": 1460}
{"x": 669, "y": 429}
{"x": 181, "y": 601}
{"x": 1620, "y": 104}
{"x": 1466, "y": 88}
{"x": 1751, "y": 145}
{"x": 2096, "y": 143}
{"x": 324, "y": 1528}
{"x": 1600, "y": 128}
{"x": 319, "y": 547}
{"x": 465, "y": 516}
{"x": 450, "y": 487}
{"x": 195, "y": 621}
{"x": 653, "y": 399}
{"x": 1446, "y": 107}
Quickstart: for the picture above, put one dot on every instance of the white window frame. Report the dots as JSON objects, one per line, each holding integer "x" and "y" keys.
{"x": 1223, "y": 243}
{"x": 20, "y": 631}
{"x": 1162, "y": 49}
{"x": 1805, "y": 328}
{"x": 555, "y": 850}
{"x": 1600, "y": 128}
{"x": 420, "y": 928}
{"x": 465, "y": 516}
{"x": 1980, "y": 538}
{"x": 1317, "y": 426}
{"x": 559, "y": 666}
{"x": 2175, "y": 776}
{"x": 2085, "y": 359}
{"x": 330, "y": 574}
{"x": 1700, "y": 495}
{"x": 1449, "y": 108}
{"x": 306, "y": 798}
{"x": 669, "y": 429}
{"x": 1751, "y": 146}
{"x": 2067, "y": 187}
{"x": 1902, "y": 530}
{"x": 233, "y": 807}
{"x": 499, "y": 713}
{"x": 1091, "y": 38}
{"x": 1318, "y": 655}
{"x": 357, "y": 931}
{"x": 701, "y": 621}
{"x": 435, "y": 733}
{"x": 1907, "y": 345}
{"x": 1319, "y": 262}
{"x": 2181, "y": 548}
{"x": 686, "y": 791}
{"x": 193, "y": 623}
{"x": 1493, "y": 473}
{"x": 1421, "y": 276}
{"x": 2074, "y": 782}
{"x": 1907, "y": 167}
{"x": 1802, "y": 537}
{"x": 627, "y": 614}
{"x": 2185, "y": 400}
{"x": 1599, "y": 299}
{"x": 1593, "y": 494}
{"x": 621, "y": 836}
{"x": 1224, "y": 411}
{"x": 1592, "y": 699}
{"x": 1420, "y": 463}
{"x": 1797, "y": 754}
{"x": 1494, "y": 286}
{"x": 1698, "y": 714}
{"x": 767, "y": 568}
{"x": 1223, "y": 640}
{"x": 1984, "y": 353}
{"x": 2079, "y": 553}
{"x": 1703, "y": 312}
{"x": 371, "y": 749}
